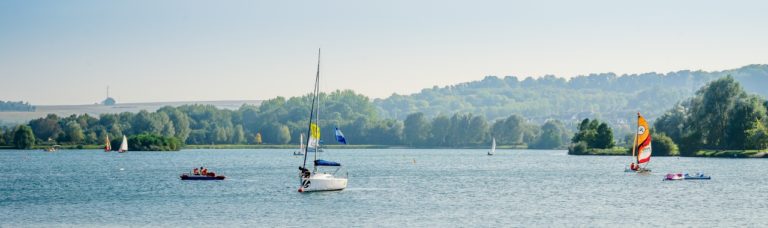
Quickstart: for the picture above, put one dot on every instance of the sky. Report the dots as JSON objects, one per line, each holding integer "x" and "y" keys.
{"x": 68, "y": 52}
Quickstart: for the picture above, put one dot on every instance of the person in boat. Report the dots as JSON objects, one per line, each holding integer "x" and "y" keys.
{"x": 304, "y": 172}
{"x": 196, "y": 171}
{"x": 205, "y": 172}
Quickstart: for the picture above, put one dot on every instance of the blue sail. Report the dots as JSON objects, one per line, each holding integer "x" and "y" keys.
{"x": 340, "y": 137}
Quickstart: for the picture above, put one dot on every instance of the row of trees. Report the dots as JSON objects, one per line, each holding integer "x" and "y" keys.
{"x": 607, "y": 96}
{"x": 277, "y": 121}
{"x": 280, "y": 121}
{"x": 591, "y": 134}
{"x": 721, "y": 116}
{"x": 150, "y": 142}
{"x": 594, "y": 134}
{"x": 461, "y": 130}
{"x": 18, "y": 137}
{"x": 18, "y": 106}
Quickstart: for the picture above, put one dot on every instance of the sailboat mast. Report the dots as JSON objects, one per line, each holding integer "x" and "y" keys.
{"x": 317, "y": 111}
{"x": 634, "y": 144}
{"x": 312, "y": 110}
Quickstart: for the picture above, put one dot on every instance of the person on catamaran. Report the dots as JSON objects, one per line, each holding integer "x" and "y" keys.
{"x": 633, "y": 166}
{"x": 196, "y": 171}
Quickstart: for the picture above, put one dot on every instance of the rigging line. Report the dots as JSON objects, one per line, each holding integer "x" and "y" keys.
{"x": 317, "y": 114}
{"x": 312, "y": 110}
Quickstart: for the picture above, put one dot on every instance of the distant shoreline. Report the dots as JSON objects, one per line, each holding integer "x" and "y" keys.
{"x": 698, "y": 154}
{"x": 271, "y": 146}
{"x": 604, "y": 152}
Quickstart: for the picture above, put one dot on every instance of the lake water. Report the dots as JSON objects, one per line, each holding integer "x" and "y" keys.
{"x": 387, "y": 187}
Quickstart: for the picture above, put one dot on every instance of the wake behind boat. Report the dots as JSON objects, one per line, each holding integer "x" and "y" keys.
{"x": 319, "y": 179}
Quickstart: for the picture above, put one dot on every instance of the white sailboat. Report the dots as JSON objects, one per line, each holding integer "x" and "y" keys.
{"x": 493, "y": 147}
{"x": 317, "y": 179}
{"x": 301, "y": 150}
{"x": 123, "y": 145}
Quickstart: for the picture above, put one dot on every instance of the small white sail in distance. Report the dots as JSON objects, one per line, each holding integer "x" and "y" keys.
{"x": 124, "y": 145}
{"x": 493, "y": 147}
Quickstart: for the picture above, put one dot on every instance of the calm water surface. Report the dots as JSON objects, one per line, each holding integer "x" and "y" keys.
{"x": 387, "y": 187}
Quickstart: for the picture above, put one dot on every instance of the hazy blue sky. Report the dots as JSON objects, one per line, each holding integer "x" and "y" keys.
{"x": 67, "y": 52}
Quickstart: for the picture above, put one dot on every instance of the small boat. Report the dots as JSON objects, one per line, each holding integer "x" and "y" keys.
{"x": 301, "y": 146}
{"x": 697, "y": 176}
{"x": 673, "y": 176}
{"x": 210, "y": 176}
{"x": 123, "y": 145}
{"x": 493, "y": 147}
{"x": 686, "y": 176}
{"x": 53, "y": 148}
{"x": 107, "y": 145}
{"x": 641, "y": 145}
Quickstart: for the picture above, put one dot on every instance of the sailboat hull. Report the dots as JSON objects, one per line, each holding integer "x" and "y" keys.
{"x": 323, "y": 182}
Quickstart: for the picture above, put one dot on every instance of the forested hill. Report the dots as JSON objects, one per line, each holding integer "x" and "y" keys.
{"x": 607, "y": 95}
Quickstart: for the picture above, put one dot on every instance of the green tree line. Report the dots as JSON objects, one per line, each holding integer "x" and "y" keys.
{"x": 281, "y": 120}
{"x": 467, "y": 130}
{"x": 607, "y": 96}
{"x": 721, "y": 116}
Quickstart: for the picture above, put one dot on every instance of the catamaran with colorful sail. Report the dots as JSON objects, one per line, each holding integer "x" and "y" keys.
{"x": 641, "y": 148}
{"x": 317, "y": 179}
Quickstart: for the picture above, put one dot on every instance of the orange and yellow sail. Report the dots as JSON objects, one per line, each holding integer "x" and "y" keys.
{"x": 107, "y": 145}
{"x": 643, "y": 141}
